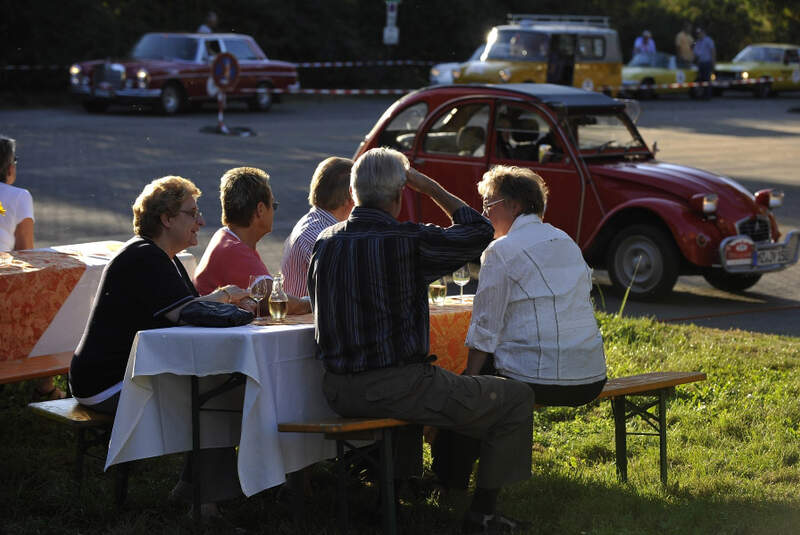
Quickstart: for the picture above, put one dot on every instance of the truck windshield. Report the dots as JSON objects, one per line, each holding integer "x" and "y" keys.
{"x": 154, "y": 46}
{"x": 516, "y": 45}
{"x": 604, "y": 134}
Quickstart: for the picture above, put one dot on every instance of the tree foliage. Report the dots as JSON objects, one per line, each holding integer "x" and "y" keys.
{"x": 46, "y": 32}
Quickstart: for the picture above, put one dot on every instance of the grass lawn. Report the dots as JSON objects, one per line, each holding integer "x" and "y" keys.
{"x": 734, "y": 459}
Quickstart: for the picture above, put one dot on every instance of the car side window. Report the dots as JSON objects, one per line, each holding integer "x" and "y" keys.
{"x": 520, "y": 132}
{"x": 240, "y": 48}
{"x": 791, "y": 56}
{"x": 210, "y": 49}
{"x": 461, "y": 130}
{"x": 401, "y": 132}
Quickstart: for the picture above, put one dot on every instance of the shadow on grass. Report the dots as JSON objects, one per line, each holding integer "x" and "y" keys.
{"x": 38, "y": 495}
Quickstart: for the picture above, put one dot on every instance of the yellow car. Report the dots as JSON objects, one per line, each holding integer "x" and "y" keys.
{"x": 648, "y": 75}
{"x": 763, "y": 68}
{"x": 561, "y": 49}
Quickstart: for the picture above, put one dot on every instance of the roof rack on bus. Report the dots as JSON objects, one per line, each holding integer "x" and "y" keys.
{"x": 592, "y": 20}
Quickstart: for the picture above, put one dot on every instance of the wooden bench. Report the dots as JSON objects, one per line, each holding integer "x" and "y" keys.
{"x": 12, "y": 371}
{"x": 657, "y": 385}
{"x": 91, "y": 429}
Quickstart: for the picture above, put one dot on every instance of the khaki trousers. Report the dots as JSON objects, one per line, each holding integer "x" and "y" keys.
{"x": 496, "y": 410}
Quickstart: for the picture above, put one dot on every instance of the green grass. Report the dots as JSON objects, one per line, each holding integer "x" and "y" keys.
{"x": 734, "y": 458}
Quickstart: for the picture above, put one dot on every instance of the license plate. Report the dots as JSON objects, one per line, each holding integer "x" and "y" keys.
{"x": 769, "y": 257}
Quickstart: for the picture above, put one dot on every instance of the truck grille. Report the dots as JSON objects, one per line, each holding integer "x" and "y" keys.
{"x": 109, "y": 75}
{"x": 724, "y": 75}
{"x": 757, "y": 228}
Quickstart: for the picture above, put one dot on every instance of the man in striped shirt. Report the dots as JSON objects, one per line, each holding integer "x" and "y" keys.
{"x": 368, "y": 283}
{"x": 330, "y": 200}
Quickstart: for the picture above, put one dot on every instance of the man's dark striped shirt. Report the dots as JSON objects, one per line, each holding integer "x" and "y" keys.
{"x": 368, "y": 282}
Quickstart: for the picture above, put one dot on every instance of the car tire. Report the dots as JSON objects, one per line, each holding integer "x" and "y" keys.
{"x": 171, "y": 100}
{"x": 263, "y": 99}
{"x": 762, "y": 90}
{"x": 95, "y": 106}
{"x": 730, "y": 282}
{"x": 657, "y": 270}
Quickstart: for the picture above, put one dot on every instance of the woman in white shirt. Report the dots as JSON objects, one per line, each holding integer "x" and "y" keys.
{"x": 16, "y": 225}
{"x": 532, "y": 317}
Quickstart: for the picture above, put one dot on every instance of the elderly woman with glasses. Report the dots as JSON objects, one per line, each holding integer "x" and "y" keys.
{"x": 248, "y": 210}
{"x": 145, "y": 287}
{"x": 532, "y": 317}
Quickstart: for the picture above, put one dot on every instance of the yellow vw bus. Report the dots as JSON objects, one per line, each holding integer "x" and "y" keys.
{"x": 557, "y": 49}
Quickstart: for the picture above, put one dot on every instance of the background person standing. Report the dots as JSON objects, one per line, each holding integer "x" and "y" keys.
{"x": 644, "y": 44}
{"x": 706, "y": 55}
{"x": 683, "y": 45}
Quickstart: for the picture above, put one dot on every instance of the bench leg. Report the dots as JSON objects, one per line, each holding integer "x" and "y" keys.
{"x": 620, "y": 436}
{"x": 387, "y": 484}
{"x": 662, "y": 433}
{"x": 341, "y": 483}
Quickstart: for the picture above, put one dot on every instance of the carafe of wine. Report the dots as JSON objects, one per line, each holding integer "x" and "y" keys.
{"x": 278, "y": 301}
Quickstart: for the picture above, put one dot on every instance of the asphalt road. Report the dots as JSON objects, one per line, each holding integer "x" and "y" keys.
{"x": 85, "y": 170}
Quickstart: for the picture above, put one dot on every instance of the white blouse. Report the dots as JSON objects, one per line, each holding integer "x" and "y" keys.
{"x": 532, "y": 308}
{"x": 18, "y": 205}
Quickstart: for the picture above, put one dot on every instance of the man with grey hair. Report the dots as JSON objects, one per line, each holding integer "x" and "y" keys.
{"x": 368, "y": 283}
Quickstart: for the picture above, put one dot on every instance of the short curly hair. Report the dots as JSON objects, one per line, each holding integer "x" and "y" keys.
{"x": 518, "y": 184}
{"x": 240, "y": 191}
{"x": 163, "y": 195}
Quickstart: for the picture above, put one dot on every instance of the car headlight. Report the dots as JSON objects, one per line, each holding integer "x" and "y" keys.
{"x": 505, "y": 75}
{"x": 435, "y": 72}
{"x": 456, "y": 74}
{"x": 74, "y": 74}
{"x": 769, "y": 198}
{"x": 142, "y": 78}
{"x": 704, "y": 203}
{"x": 745, "y": 75}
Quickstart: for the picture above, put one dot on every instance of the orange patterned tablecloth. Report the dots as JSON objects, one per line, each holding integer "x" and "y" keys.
{"x": 449, "y": 325}
{"x": 33, "y": 286}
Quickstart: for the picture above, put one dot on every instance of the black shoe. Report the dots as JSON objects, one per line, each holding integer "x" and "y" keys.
{"x": 479, "y": 523}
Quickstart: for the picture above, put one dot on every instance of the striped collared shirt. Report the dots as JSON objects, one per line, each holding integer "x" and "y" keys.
{"x": 298, "y": 247}
{"x": 368, "y": 283}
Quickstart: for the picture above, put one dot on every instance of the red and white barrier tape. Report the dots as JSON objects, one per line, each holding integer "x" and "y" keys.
{"x": 344, "y": 91}
{"x": 371, "y": 63}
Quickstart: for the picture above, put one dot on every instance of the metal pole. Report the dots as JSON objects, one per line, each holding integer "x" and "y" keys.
{"x": 620, "y": 436}
{"x": 662, "y": 433}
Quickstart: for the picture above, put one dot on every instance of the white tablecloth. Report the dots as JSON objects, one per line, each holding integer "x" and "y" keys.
{"x": 66, "y": 328}
{"x": 284, "y": 383}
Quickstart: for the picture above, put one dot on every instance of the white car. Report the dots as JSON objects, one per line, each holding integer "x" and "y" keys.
{"x": 442, "y": 73}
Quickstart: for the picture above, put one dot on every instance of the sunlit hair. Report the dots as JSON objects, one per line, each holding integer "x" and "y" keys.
{"x": 240, "y": 191}
{"x": 518, "y": 184}
{"x": 378, "y": 176}
{"x": 8, "y": 148}
{"x": 163, "y": 195}
{"x": 330, "y": 185}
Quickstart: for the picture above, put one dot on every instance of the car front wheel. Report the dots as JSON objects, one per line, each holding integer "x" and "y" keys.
{"x": 730, "y": 282}
{"x": 171, "y": 99}
{"x": 643, "y": 258}
{"x": 263, "y": 99}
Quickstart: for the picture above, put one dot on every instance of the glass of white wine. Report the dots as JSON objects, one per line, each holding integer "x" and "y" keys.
{"x": 461, "y": 277}
{"x": 258, "y": 291}
{"x": 437, "y": 290}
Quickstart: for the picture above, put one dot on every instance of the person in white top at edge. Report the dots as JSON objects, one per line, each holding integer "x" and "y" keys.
{"x": 532, "y": 317}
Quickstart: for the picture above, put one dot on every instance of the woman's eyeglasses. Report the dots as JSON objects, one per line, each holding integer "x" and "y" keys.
{"x": 194, "y": 214}
{"x": 486, "y": 205}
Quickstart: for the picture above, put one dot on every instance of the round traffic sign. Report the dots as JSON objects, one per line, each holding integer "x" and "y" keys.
{"x": 225, "y": 71}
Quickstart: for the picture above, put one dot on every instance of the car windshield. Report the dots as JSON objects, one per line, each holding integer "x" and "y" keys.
{"x": 477, "y": 54}
{"x": 759, "y": 53}
{"x": 601, "y": 133}
{"x": 153, "y": 46}
{"x": 658, "y": 59}
{"x": 516, "y": 45}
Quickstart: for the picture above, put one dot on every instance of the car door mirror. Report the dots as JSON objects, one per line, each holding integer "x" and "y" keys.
{"x": 545, "y": 152}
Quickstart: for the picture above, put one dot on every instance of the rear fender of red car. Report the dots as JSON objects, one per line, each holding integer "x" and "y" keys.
{"x": 696, "y": 238}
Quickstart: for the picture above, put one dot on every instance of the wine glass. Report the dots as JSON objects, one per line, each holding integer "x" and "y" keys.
{"x": 437, "y": 290}
{"x": 461, "y": 277}
{"x": 258, "y": 291}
